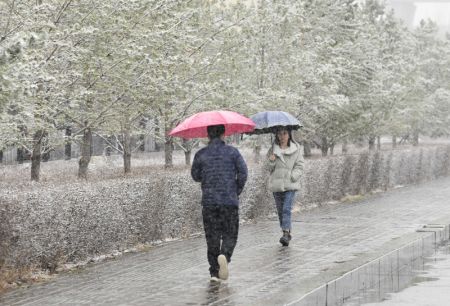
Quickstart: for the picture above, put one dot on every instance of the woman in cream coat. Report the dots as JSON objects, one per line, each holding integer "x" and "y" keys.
{"x": 285, "y": 164}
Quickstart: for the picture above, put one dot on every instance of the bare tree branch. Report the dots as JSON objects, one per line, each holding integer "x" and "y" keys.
{"x": 109, "y": 142}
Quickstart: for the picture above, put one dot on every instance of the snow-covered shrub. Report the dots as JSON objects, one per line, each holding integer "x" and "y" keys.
{"x": 71, "y": 222}
{"x": 334, "y": 177}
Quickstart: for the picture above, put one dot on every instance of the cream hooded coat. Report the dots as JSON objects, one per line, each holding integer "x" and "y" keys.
{"x": 286, "y": 169}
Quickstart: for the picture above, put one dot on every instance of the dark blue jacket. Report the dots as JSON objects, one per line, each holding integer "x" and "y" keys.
{"x": 222, "y": 171}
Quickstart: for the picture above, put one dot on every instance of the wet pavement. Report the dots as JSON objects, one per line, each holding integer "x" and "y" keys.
{"x": 327, "y": 242}
{"x": 428, "y": 287}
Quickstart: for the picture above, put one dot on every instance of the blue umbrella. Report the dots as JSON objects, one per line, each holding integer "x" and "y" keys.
{"x": 269, "y": 121}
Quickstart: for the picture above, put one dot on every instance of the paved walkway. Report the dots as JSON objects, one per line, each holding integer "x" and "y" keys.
{"x": 328, "y": 241}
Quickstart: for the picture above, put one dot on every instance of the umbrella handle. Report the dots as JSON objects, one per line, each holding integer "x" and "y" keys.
{"x": 272, "y": 141}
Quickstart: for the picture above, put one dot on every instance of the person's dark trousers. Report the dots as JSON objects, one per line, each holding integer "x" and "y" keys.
{"x": 221, "y": 224}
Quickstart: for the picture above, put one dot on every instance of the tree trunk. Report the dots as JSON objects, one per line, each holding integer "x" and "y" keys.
{"x": 86, "y": 152}
{"x": 415, "y": 141}
{"x": 108, "y": 149}
{"x": 68, "y": 145}
{"x": 126, "y": 151}
{"x": 188, "y": 151}
{"x": 36, "y": 155}
{"x": 257, "y": 154}
{"x": 142, "y": 125}
{"x": 324, "y": 146}
{"x": 1, "y": 156}
{"x": 20, "y": 155}
{"x": 168, "y": 145}
{"x": 257, "y": 149}
{"x": 263, "y": 66}
{"x": 378, "y": 143}
{"x": 306, "y": 149}
{"x": 168, "y": 152}
{"x": 262, "y": 50}
{"x": 332, "y": 149}
{"x": 126, "y": 162}
{"x": 187, "y": 157}
{"x": 371, "y": 143}
{"x": 345, "y": 146}
{"x": 394, "y": 142}
{"x": 45, "y": 156}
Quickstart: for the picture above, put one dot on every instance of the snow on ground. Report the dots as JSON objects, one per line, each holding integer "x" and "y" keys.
{"x": 107, "y": 167}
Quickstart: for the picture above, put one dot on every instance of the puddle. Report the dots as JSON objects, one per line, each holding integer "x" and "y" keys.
{"x": 408, "y": 285}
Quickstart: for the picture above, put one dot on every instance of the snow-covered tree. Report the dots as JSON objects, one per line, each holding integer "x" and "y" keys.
{"x": 422, "y": 79}
{"x": 29, "y": 117}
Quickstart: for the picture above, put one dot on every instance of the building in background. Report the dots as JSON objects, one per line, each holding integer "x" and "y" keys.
{"x": 412, "y": 12}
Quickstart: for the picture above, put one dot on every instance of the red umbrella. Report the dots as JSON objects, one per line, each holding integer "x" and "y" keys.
{"x": 195, "y": 125}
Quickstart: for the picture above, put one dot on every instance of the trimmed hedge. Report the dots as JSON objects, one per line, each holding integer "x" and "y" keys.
{"x": 337, "y": 176}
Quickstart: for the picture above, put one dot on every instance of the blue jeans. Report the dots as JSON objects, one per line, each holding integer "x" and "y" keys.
{"x": 284, "y": 202}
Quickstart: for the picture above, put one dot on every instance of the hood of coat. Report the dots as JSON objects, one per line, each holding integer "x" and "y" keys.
{"x": 289, "y": 150}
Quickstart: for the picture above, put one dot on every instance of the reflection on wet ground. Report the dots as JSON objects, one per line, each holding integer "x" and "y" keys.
{"x": 424, "y": 282}
{"x": 425, "y": 272}
{"x": 216, "y": 291}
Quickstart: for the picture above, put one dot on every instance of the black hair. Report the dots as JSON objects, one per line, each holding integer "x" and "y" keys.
{"x": 277, "y": 141}
{"x": 215, "y": 131}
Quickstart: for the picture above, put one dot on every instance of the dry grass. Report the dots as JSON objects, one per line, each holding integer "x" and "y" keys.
{"x": 13, "y": 278}
{"x": 352, "y": 198}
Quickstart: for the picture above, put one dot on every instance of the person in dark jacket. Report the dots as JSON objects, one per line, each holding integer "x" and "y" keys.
{"x": 222, "y": 172}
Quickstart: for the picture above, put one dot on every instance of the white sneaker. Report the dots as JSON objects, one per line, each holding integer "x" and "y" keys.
{"x": 215, "y": 279}
{"x": 223, "y": 267}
